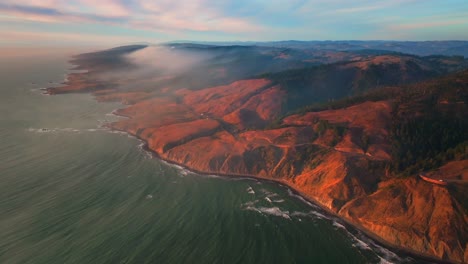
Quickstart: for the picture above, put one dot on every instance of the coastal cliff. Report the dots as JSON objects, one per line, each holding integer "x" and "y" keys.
{"x": 342, "y": 156}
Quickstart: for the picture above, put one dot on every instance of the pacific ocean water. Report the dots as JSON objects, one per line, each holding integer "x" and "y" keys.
{"x": 74, "y": 192}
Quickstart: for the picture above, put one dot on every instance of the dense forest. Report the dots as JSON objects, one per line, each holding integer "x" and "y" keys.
{"x": 430, "y": 124}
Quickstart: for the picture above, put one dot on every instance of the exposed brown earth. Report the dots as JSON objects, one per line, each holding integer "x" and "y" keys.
{"x": 76, "y": 82}
{"x": 368, "y": 120}
{"x": 205, "y": 130}
{"x": 414, "y": 214}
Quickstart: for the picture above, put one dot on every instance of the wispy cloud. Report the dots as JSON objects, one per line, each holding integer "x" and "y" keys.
{"x": 238, "y": 19}
{"x": 198, "y": 15}
{"x": 52, "y": 15}
{"x": 11, "y": 38}
{"x": 429, "y": 24}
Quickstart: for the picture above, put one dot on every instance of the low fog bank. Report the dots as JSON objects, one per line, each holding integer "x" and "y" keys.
{"x": 166, "y": 60}
{"x": 178, "y": 66}
{"x": 151, "y": 67}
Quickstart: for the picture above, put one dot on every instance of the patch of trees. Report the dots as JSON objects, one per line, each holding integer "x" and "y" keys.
{"x": 427, "y": 143}
{"x": 430, "y": 125}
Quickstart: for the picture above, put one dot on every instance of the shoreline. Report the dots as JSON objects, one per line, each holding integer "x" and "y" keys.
{"x": 420, "y": 257}
{"x": 350, "y": 226}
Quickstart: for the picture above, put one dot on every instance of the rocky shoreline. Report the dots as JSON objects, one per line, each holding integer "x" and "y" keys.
{"x": 345, "y": 175}
{"x": 348, "y": 224}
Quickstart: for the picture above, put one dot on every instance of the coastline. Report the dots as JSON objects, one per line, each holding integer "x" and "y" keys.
{"x": 418, "y": 256}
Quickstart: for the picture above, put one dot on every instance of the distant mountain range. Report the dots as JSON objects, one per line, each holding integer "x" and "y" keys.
{"x": 421, "y": 48}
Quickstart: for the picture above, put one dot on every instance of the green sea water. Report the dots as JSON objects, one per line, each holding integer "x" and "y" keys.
{"x": 73, "y": 192}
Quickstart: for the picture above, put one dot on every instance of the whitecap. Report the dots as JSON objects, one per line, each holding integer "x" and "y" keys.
{"x": 312, "y": 214}
{"x": 361, "y": 244}
{"x": 249, "y": 203}
{"x": 117, "y": 132}
{"x": 211, "y": 176}
{"x": 338, "y": 225}
{"x": 385, "y": 255}
{"x": 384, "y": 261}
{"x": 275, "y": 211}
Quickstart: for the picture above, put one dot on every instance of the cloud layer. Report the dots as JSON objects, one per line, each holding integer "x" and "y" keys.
{"x": 163, "y": 20}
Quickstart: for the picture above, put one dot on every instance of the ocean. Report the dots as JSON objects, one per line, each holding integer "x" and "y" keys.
{"x": 72, "y": 191}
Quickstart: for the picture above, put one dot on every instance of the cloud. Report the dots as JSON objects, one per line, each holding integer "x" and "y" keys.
{"x": 428, "y": 24}
{"x": 195, "y": 15}
{"x": 10, "y": 38}
{"x": 51, "y": 15}
{"x": 235, "y": 19}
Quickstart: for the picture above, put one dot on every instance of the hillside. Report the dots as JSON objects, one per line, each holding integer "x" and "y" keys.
{"x": 343, "y": 79}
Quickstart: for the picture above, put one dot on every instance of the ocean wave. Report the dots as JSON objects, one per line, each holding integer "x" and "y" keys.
{"x": 275, "y": 211}
{"x": 184, "y": 172}
{"x": 384, "y": 261}
{"x": 386, "y": 256}
{"x": 311, "y": 214}
{"x": 269, "y": 195}
{"x": 67, "y": 130}
{"x": 239, "y": 178}
{"x": 112, "y": 114}
{"x": 249, "y": 203}
{"x": 210, "y": 176}
{"x": 53, "y": 130}
{"x": 360, "y": 241}
{"x": 338, "y": 225}
{"x": 142, "y": 149}
{"x": 117, "y": 132}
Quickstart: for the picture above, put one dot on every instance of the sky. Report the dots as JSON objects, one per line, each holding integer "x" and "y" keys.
{"x": 115, "y": 22}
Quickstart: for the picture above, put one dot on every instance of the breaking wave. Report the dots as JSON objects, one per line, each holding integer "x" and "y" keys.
{"x": 63, "y": 130}
{"x": 276, "y": 211}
